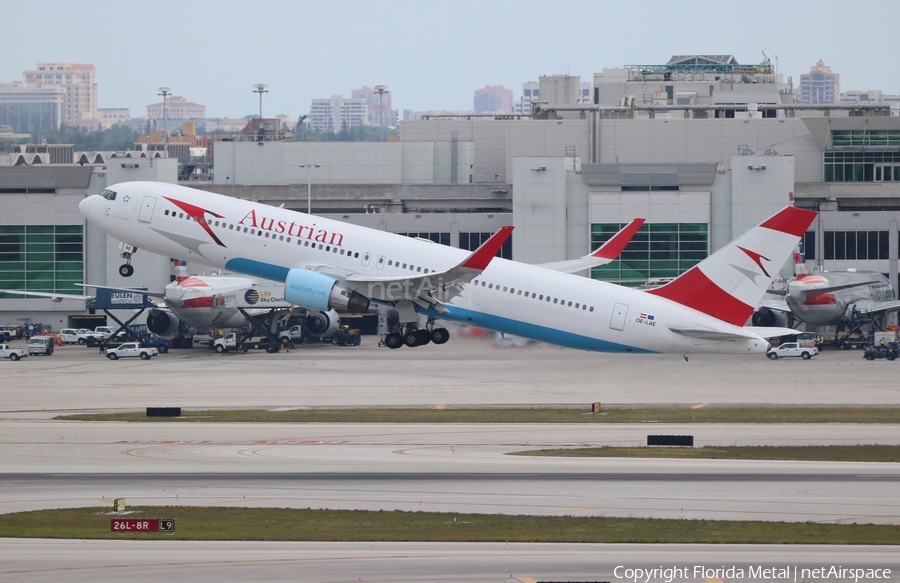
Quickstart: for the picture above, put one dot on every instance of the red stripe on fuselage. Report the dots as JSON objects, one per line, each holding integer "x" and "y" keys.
{"x": 694, "y": 290}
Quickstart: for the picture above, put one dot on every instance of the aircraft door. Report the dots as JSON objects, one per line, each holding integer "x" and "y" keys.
{"x": 366, "y": 257}
{"x": 619, "y": 313}
{"x": 380, "y": 263}
{"x": 147, "y": 206}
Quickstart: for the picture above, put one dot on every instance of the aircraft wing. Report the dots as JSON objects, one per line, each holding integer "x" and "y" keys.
{"x": 52, "y": 296}
{"x": 428, "y": 288}
{"x": 130, "y": 290}
{"x": 604, "y": 254}
{"x": 870, "y": 307}
{"x": 774, "y": 303}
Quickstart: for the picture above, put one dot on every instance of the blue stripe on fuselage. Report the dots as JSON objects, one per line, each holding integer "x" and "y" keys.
{"x": 464, "y": 316}
{"x": 257, "y": 268}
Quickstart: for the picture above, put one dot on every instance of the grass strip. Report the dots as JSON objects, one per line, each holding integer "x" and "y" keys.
{"x": 281, "y": 524}
{"x": 623, "y": 415}
{"x": 824, "y": 453}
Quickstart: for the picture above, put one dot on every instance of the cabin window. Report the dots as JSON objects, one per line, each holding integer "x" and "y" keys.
{"x": 342, "y": 251}
{"x": 288, "y": 240}
{"x": 592, "y": 309}
{"x": 542, "y": 297}
{"x": 554, "y": 300}
{"x": 520, "y": 293}
{"x": 419, "y": 269}
{"x": 490, "y": 286}
{"x": 355, "y": 255}
{"x": 328, "y": 248}
{"x": 576, "y": 306}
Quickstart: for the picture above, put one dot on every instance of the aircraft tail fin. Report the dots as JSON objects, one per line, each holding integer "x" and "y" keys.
{"x": 181, "y": 272}
{"x": 730, "y": 283}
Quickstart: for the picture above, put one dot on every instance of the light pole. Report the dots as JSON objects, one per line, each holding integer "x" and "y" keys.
{"x": 260, "y": 88}
{"x": 381, "y": 90}
{"x": 165, "y": 92}
{"x": 309, "y": 186}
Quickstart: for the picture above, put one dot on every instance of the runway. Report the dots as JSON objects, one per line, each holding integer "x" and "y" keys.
{"x": 440, "y": 467}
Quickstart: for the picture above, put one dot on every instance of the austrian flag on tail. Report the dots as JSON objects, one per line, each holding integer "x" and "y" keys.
{"x": 731, "y": 282}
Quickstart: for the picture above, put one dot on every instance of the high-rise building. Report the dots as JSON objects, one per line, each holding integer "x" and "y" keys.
{"x": 80, "y": 83}
{"x": 379, "y": 105}
{"x": 493, "y": 98}
{"x": 337, "y": 113}
{"x": 31, "y": 110}
{"x": 820, "y": 85}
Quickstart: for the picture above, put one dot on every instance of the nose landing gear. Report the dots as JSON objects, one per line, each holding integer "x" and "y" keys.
{"x": 126, "y": 269}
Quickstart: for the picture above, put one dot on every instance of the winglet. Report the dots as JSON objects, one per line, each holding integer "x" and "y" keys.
{"x": 481, "y": 257}
{"x": 612, "y": 248}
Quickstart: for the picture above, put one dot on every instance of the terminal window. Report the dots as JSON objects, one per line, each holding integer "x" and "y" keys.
{"x": 858, "y": 166}
{"x": 45, "y": 258}
{"x": 658, "y": 250}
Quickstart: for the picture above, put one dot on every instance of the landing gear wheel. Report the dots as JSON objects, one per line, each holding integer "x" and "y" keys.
{"x": 440, "y": 335}
{"x": 126, "y": 270}
{"x": 424, "y": 337}
{"x": 393, "y": 340}
{"x": 411, "y": 338}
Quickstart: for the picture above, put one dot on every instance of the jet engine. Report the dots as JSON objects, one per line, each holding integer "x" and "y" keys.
{"x": 323, "y": 323}
{"x": 318, "y": 291}
{"x": 162, "y": 322}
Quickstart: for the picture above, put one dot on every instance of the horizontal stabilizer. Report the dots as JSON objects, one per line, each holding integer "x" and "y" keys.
{"x": 771, "y": 331}
{"x": 606, "y": 253}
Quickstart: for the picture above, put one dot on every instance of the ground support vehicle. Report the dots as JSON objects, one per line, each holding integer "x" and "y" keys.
{"x": 789, "y": 349}
{"x": 232, "y": 343}
{"x": 346, "y": 337}
{"x": 12, "y": 353}
{"x": 293, "y": 335}
{"x": 40, "y": 345}
{"x": 889, "y": 350}
{"x": 127, "y": 349}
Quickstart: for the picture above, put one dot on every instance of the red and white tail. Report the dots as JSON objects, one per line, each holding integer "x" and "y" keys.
{"x": 181, "y": 272}
{"x": 731, "y": 282}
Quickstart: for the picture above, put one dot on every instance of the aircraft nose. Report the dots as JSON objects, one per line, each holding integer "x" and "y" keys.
{"x": 85, "y": 206}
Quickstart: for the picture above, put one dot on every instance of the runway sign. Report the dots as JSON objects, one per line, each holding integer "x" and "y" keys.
{"x": 142, "y": 525}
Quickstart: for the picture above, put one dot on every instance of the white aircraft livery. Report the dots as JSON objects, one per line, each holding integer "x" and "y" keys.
{"x": 326, "y": 264}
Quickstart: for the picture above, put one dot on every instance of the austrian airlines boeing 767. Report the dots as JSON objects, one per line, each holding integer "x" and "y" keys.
{"x": 327, "y": 264}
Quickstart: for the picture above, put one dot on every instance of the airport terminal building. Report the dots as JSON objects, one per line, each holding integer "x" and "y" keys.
{"x": 702, "y": 147}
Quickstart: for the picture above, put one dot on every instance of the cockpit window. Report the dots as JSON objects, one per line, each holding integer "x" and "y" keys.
{"x": 107, "y": 194}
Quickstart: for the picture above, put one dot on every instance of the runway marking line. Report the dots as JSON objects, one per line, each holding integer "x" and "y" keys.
{"x": 440, "y": 407}
{"x": 713, "y": 580}
{"x": 700, "y": 406}
{"x": 527, "y": 580}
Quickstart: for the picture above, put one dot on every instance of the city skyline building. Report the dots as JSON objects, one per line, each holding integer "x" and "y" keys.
{"x": 493, "y": 98}
{"x": 379, "y": 106}
{"x": 31, "y": 109}
{"x": 80, "y": 84}
{"x": 337, "y": 112}
{"x": 820, "y": 85}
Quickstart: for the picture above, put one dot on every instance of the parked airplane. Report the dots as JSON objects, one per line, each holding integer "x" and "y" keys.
{"x": 829, "y": 298}
{"x": 327, "y": 264}
{"x": 209, "y": 301}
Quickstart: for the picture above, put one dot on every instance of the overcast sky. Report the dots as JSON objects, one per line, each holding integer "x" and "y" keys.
{"x": 432, "y": 55}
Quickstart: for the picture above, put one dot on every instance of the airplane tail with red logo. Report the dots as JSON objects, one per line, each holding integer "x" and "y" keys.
{"x": 730, "y": 283}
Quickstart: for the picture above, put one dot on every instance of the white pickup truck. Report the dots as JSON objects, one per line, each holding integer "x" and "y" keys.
{"x": 127, "y": 349}
{"x": 12, "y": 353}
{"x": 792, "y": 349}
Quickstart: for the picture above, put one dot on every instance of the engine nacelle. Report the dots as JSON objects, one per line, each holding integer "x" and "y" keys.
{"x": 318, "y": 291}
{"x": 323, "y": 323}
{"x": 162, "y": 322}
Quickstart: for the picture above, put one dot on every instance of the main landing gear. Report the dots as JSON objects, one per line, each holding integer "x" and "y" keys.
{"x": 417, "y": 337}
{"x": 127, "y": 269}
